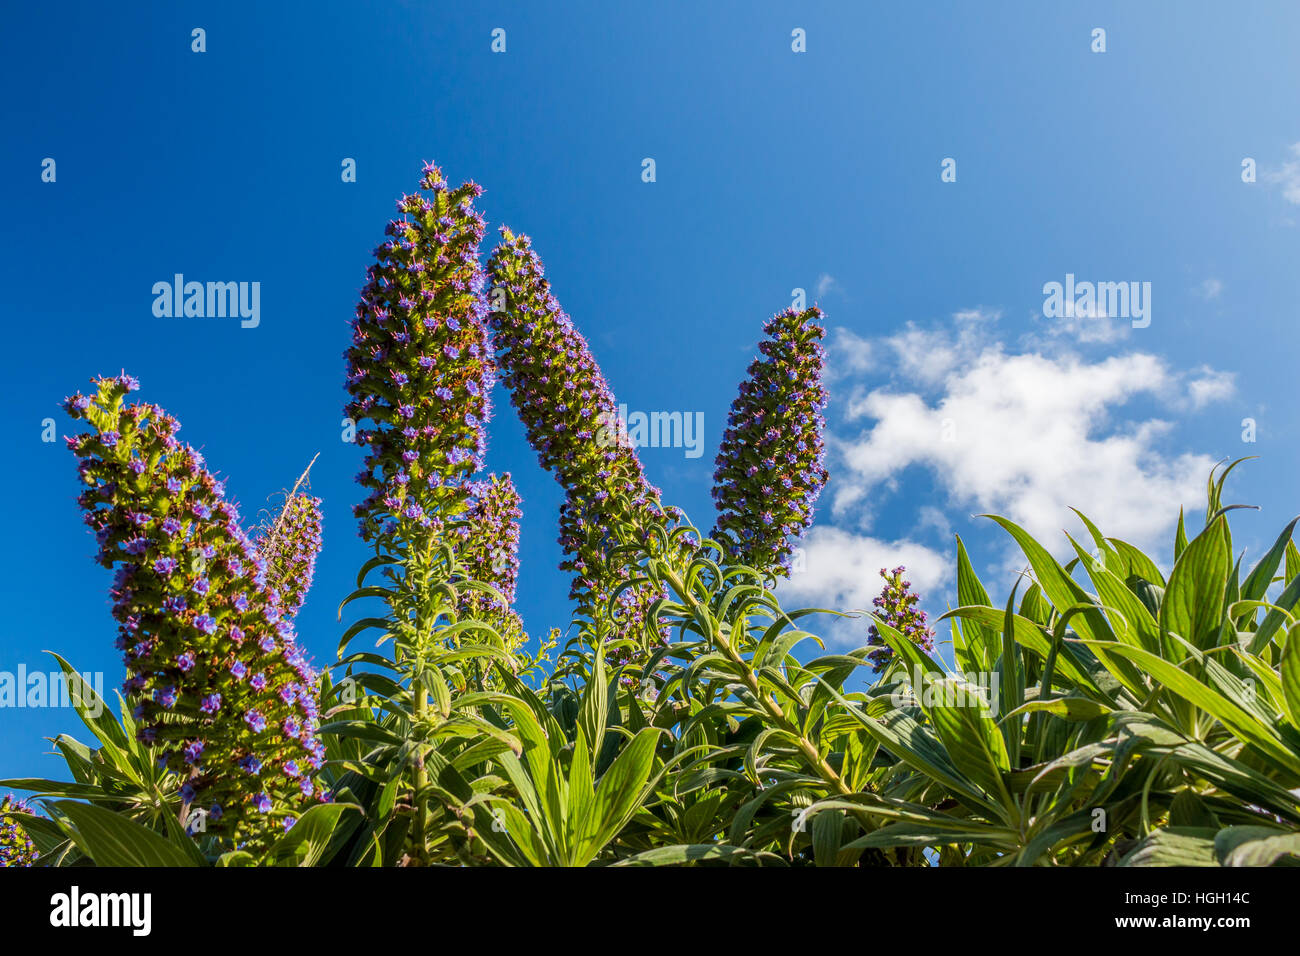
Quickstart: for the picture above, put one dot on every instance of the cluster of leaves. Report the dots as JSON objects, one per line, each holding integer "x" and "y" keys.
{"x": 1110, "y": 715}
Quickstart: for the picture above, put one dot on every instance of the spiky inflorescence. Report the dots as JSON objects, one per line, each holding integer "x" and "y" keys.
{"x": 897, "y": 607}
{"x": 419, "y": 367}
{"x": 489, "y": 553}
{"x": 771, "y": 465}
{"x": 571, "y": 420}
{"x": 16, "y": 847}
{"x": 289, "y": 549}
{"x": 214, "y": 671}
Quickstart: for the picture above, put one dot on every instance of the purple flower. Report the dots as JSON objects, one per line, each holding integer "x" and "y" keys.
{"x": 290, "y": 548}
{"x": 250, "y": 764}
{"x": 426, "y": 340}
{"x": 140, "y": 478}
{"x": 774, "y": 438}
{"x": 16, "y": 847}
{"x": 571, "y": 419}
{"x": 897, "y": 607}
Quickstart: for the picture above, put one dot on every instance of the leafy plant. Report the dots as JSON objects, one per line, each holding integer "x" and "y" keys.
{"x": 1105, "y": 714}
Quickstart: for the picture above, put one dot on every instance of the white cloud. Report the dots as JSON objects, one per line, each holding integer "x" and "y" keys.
{"x": 1209, "y": 289}
{"x": 1210, "y": 386}
{"x": 1287, "y": 176}
{"x": 825, "y": 283}
{"x": 1093, "y": 327}
{"x": 842, "y": 571}
{"x": 848, "y": 354}
{"x": 977, "y": 314}
{"x": 1024, "y": 435}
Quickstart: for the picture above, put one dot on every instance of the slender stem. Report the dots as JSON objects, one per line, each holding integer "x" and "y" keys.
{"x": 806, "y": 746}
{"x": 421, "y": 778}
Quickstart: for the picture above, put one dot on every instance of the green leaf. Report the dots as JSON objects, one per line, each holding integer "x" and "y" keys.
{"x": 1137, "y": 564}
{"x": 621, "y": 790}
{"x": 1261, "y": 576}
{"x": 1012, "y": 682}
{"x": 682, "y": 854}
{"x": 971, "y": 593}
{"x": 1291, "y": 676}
{"x": 1175, "y": 846}
{"x": 113, "y": 840}
{"x": 1059, "y": 587}
{"x": 595, "y": 702}
{"x": 305, "y": 842}
{"x": 1194, "y": 601}
{"x": 1257, "y": 846}
{"x": 828, "y": 839}
{"x": 1274, "y": 619}
{"x": 1073, "y": 709}
{"x": 972, "y": 738}
{"x": 1237, "y": 719}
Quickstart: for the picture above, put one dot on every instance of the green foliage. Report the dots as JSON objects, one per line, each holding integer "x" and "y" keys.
{"x": 1107, "y": 713}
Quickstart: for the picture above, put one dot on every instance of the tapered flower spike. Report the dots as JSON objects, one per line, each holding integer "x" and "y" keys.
{"x": 489, "y": 553}
{"x": 289, "y": 549}
{"x": 771, "y": 464}
{"x": 214, "y": 671}
{"x": 290, "y": 542}
{"x": 570, "y": 416}
{"x": 897, "y": 607}
{"x": 16, "y": 847}
{"x": 419, "y": 368}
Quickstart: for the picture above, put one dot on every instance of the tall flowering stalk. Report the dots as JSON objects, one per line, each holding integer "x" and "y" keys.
{"x": 489, "y": 554}
{"x": 897, "y": 607}
{"x": 571, "y": 419}
{"x": 419, "y": 368}
{"x": 213, "y": 668}
{"x": 771, "y": 464}
{"x": 16, "y": 847}
{"x": 289, "y": 549}
{"x": 420, "y": 371}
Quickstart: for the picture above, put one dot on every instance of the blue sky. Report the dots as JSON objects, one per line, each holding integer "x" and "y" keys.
{"x": 775, "y": 170}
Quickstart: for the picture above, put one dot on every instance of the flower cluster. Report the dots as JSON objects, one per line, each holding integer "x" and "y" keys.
{"x": 219, "y": 684}
{"x": 420, "y": 370}
{"x": 16, "y": 847}
{"x": 570, "y": 416}
{"x": 770, "y": 467}
{"x": 488, "y": 553}
{"x": 290, "y": 547}
{"x": 896, "y": 606}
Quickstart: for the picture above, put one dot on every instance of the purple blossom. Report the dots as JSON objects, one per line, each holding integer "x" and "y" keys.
{"x": 897, "y": 607}
{"x": 774, "y": 438}
{"x": 176, "y": 653}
